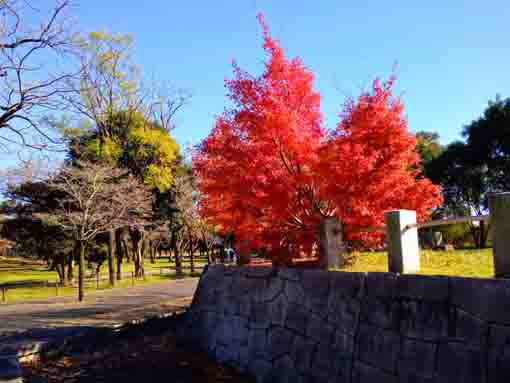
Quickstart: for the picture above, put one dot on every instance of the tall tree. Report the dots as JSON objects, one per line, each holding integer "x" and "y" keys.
{"x": 465, "y": 185}
{"x": 488, "y": 140}
{"x": 129, "y": 124}
{"x": 269, "y": 171}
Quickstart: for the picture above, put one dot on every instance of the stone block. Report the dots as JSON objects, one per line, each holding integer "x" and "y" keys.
{"x": 239, "y": 328}
{"x": 284, "y": 371}
{"x": 232, "y": 305}
{"x": 224, "y": 331}
{"x": 381, "y": 312}
{"x": 245, "y": 305}
{"x": 261, "y": 369}
{"x": 499, "y": 354}
{"x": 278, "y": 310}
{"x": 346, "y": 285}
{"x": 289, "y": 274}
{"x": 424, "y": 320}
{"x": 297, "y": 318}
{"x": 302, "y": 353}
{"x": 425, "y": 288}
{"x": 319, "y": 331}
{"x": 294, "y": 292}
{"x": 257, "y": 343}
{"x": 417, "y": 359}
{"x": 280, "y": 342}
{"x": 273, "y": 289}
{"x": 343, "y": 343}
{"x": 488, "y": 299}
{"x": 378, "y": 347}
{"x": 316, "y": 284}
{"x": 258, "y": 272}
{"x": 469, "y": 329}
{"x": 245, "y": 357}
{"x": 383, "y": 285}
{"x": 460, "y": 363}
{"x": 344, "y": 313}
{"x": 327, "y": 365}
{"x": 366, "y": 374}
{"x": 260, "y": 315}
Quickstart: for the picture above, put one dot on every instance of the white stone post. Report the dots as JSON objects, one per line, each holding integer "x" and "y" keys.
{"x": 499, "y": 207}
{"x": 403, "y": 247}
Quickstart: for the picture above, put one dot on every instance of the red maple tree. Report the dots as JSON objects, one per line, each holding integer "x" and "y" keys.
{"x": 269, "y": 170}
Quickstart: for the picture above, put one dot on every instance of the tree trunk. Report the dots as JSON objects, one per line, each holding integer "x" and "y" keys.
{"x": 475, "y": 233}
{"x": 484, "y": 232}
{"x": 61, "y": 273}
{"x": 137, "y": 239}
{"x": 178, "y": 262}
{"x": 152, "y": 252}
{"x": 111, "y": 254}
{"x": 332, "y": 251}
{"x": 70, "y": 266}
{"x": 120, "y": 253}
{"x": 81, "y": 271}
{"x": 191, "y": 256}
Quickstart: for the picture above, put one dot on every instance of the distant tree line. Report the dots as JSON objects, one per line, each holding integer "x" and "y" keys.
{"x": 468, "y": 170}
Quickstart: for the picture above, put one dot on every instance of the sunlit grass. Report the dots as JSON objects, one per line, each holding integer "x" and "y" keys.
{"x": 14, "y": 270}
{"x": 39, "y": 293}
{"x": 466, "y": 263}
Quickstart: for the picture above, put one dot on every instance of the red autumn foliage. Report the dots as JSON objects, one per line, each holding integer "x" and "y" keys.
{"x": 269, "y": 170}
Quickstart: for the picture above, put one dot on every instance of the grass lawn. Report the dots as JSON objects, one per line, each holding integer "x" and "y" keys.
{"x": 465, "y": 263}
{"x": 23, "y": 270}
{"x": 38, "y": 293}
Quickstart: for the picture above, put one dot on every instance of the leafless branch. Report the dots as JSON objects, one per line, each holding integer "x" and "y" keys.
{"x": 32, "y": 82}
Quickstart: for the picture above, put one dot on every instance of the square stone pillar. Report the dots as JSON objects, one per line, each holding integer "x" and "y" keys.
{"x": 331, "y": 243}
{"x": 499, "y": 206}
{"x": 403, "y": 247}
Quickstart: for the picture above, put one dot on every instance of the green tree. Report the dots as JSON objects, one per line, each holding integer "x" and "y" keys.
{"x": 488, "y": 139}
{"x": 129, "y": 124}
{"x": 465, "y": 185}
{"x": 428, "y": 147}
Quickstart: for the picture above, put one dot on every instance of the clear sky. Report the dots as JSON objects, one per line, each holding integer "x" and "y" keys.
{"x": 453, "y": 56}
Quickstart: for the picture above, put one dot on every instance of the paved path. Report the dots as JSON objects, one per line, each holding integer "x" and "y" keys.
{"x": 106, "y": 308}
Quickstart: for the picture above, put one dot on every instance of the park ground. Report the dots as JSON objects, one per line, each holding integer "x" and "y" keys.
{"x": 20, "y": 270}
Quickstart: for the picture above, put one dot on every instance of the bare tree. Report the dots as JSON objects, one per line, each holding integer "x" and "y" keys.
{"x": 98, "y": 199}
{"x": 35, "y": 46}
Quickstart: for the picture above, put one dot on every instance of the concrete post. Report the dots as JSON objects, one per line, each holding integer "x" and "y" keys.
{"x": 331, "y": 244}
{"x": 403, "y": 248}
{"x": 499, "y": 206}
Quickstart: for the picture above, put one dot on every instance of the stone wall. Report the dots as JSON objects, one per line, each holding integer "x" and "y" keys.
{"x": 289, "y": 325}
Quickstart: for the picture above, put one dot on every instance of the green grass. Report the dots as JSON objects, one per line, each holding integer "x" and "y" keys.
{"x": 22, "y": 270}
{"x": 465, "y": 263}
{"x": 38, "y": 293}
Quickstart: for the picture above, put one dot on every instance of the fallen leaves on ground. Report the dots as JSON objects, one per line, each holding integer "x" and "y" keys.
{"x": 141, "y": 359}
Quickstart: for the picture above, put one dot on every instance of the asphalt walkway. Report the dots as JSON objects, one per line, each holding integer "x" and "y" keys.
{"x": 106, "y": 308}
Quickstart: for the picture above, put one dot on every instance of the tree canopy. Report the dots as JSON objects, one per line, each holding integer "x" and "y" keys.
{"x": 270, "y": 170}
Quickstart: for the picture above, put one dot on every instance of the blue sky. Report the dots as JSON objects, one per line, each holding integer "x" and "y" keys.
{"x": 453, "y": 56}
